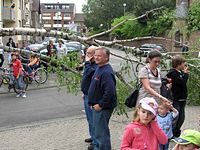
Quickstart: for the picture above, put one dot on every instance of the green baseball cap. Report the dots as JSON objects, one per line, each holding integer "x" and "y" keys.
{"x": 187, "y": 137}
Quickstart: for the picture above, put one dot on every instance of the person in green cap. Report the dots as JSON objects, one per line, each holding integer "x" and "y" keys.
{"x": 189, "y": 140}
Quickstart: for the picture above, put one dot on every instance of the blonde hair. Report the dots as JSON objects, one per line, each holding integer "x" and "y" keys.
{"x": 135, "y": 113}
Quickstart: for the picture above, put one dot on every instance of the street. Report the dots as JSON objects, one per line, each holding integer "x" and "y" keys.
{"x": 43, "y": 104}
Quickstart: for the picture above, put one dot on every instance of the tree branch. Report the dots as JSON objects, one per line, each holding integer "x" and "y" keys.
{"x": 117, "y": 25}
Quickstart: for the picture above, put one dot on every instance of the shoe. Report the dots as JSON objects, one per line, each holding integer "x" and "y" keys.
{"x": 89, "y": 140}
{"x": 24, "y": 95}
{"x": 91, "y": 147}
{"x": 18, "y": 95}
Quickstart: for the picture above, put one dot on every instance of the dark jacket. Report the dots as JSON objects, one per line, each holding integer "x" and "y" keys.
{"x": 102, "y": 89}
{"x": 89, "y": 70}
{"x": 12, "y": 44}
{"x": 179, "y": 84}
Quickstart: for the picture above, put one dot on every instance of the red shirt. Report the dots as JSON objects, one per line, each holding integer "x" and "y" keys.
{"x": 17, "y": 67}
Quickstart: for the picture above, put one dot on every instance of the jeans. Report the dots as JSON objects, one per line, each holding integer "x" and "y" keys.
{"x": 29, "y": 69}
{"x": 19, "y": 81}
{"x": 101, "y": 129}
{"x": 88, "y": 112}
{"x": 180, "y": 106}
{"x": 164, "y": 147}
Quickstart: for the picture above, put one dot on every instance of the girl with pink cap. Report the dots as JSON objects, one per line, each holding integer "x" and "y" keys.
{"x": 143, "y": 133}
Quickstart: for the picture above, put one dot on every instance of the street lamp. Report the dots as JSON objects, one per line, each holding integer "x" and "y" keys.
{"x": 124, "y": 4}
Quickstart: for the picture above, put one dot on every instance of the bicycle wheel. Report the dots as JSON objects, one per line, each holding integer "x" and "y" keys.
{"x": 6, "y": 80}
{"x": 41, "y": 75}
{"x": 16, "y": 86}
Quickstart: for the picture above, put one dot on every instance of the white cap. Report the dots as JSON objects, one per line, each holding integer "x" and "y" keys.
{"x": 150, "y": 104}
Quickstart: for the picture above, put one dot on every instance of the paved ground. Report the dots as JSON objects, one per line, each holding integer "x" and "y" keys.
{"x": 69, "y": 133}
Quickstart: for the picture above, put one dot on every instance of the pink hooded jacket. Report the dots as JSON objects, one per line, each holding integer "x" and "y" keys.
{"x": 138, "y": 136}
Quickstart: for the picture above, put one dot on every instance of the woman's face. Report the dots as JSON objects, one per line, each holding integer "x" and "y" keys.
{"x": 155, "y": 62}
{"x": 145, "y": 116}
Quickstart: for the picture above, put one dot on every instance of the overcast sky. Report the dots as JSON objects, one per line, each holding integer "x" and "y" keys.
{"x": 78, "y": 3}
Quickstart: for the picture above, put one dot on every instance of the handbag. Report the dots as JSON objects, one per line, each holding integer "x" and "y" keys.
{"x": 131, "y": 100}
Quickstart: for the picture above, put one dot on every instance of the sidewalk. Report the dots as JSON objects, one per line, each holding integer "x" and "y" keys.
{"x": 69, "y": 133}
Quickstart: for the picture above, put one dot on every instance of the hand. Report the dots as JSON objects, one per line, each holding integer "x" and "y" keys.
{"x": 169, "y": 85}
{"x": 186, "y": 70}
{"x": 87, "y": 58}
{"x": 165, "y": 100}
{"x": 97, "y": 107}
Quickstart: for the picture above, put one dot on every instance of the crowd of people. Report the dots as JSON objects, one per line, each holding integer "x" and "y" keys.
{"x": 17, "y": 68}
{"x": 157, "y": 120}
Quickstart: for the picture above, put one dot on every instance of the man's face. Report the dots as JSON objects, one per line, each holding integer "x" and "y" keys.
{"x": 100, "y": 57}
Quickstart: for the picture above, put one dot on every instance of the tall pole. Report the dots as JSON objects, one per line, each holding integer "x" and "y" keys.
{"x": 124, "y": 4}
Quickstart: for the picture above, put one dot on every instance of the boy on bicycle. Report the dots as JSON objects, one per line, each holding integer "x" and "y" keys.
{"x": 16, "y": 67}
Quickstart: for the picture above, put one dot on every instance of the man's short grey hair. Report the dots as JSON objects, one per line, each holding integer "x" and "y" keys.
{"x": 107, "y": 51}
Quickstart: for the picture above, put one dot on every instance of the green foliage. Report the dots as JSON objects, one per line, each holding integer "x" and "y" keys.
{"x": 103, "y": 11}
{"x": 65, "y": 77}
{"x": 157, "y": 26}
{"x": 194, "y": 81}
{"x": 194, "y": 17}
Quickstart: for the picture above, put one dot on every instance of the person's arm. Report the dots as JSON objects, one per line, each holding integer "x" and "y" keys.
{"x": 128, "y": 138}
{"x": 20, "y": 69}
{"x": 109, "y": 89}
{"x": 144, "y": 79}
{"x": 174, "y": 111}
{"x": 161, "y": 136}
{"x": 147, "y": 87}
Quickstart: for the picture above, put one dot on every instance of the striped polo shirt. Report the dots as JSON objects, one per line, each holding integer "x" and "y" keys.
{"x": 155, "y": 82}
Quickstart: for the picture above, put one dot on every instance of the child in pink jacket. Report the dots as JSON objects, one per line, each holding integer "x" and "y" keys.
{"x": 144, "y": 133}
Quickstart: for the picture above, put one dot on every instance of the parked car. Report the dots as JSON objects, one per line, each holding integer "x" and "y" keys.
{"x": 146, "y": 48}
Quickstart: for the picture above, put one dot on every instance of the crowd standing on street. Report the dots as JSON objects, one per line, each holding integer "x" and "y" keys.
{"x": 17, "y": 75}
{"x": 102, "y": 98}
{"x": 165, "y": 117}
{"x": 51, "y": 49}
{"x": 150, "y": 77}
{"x": 90, "y": 67}
{"x": 179, "y": 77}
{"x": 144, "y": 132}
{"x": 10, "y": 44}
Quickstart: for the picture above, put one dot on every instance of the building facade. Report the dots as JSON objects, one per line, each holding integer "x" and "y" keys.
{"x": 18, "y": 13}
{"x": 58, "y": 16}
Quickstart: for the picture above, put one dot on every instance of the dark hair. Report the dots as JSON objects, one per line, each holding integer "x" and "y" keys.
{"x": 153, "y": 54}
{"x": 177, "y": 60}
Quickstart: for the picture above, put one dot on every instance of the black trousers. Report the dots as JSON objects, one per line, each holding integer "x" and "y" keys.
{"x": 1, "y": 60}
{"x": 180, "y": 106}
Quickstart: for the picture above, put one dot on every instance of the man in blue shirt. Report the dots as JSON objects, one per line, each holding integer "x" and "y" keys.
{"x": 90, "y": 67}
{"x": 102, "y": 97}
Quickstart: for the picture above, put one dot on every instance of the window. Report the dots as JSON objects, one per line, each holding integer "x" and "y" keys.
{"x": 46, "y": 15}
{"x": 66, "y": 22}
{"x": 57, "y": 21}
{"x": 67, "y": 15}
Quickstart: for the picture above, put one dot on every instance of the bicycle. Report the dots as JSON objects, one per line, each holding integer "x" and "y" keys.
{"x": 5, "y": 77}
{"x": 39, "y": 75}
